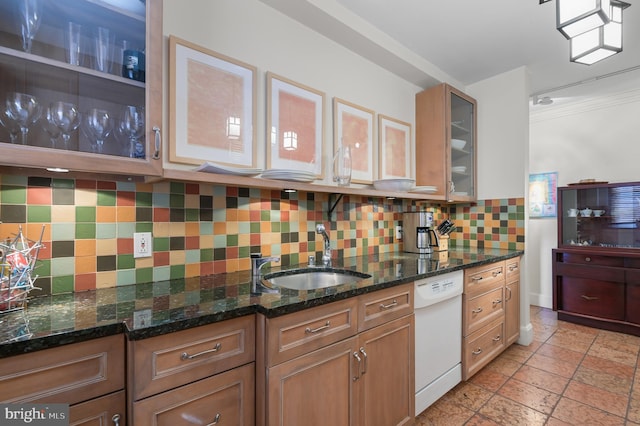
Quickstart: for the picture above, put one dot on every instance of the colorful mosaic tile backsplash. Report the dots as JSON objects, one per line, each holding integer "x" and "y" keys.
{"x": 202, "y": 229}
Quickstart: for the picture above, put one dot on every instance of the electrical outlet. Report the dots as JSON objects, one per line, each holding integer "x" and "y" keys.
{"x": 398, "y": 232}
{"x": 142, "y": 244}
{"x": 142, "y": 318}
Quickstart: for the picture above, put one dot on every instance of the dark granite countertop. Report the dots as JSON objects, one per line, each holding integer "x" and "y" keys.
{"x": 145, "y": 310}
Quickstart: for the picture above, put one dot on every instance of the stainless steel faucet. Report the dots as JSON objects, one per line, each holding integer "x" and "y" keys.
{"x": 326, "y": 255}
{"x": 257, "y": 262}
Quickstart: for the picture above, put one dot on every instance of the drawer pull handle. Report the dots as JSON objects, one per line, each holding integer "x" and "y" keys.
{"x": 587, "y": 259}
{"x": 116, "y": 419}
{"x": 185, "y": 356}
{"x": 513, "y": 268}
{"x": 497, "y": 302}
{"x": 510, "y": 293}
{"x": 585, "y": 297}
{"x": 364, "y": 355}
{"x": 477, "y": 310}
{"x": 496, "y": 273}
{"x": 357, "y": 357}
{"x": 476, "y": 278}
{"x": 497, "y": 338}
{"x": 158, "y": 143}
{"x": 315, "y": 330}
{"x": 390, "y": 305}
{"x": 216, "y": 420}
{"x": 477, "y": 351}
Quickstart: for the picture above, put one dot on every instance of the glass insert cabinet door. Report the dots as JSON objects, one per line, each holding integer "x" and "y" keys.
{"x": 599, "y": 216}
{"x": 462, "y": 149}
{"x": 73, "y": 77}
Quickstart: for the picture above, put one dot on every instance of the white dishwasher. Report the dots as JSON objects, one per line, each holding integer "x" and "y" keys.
{"x": 438, "y": 322}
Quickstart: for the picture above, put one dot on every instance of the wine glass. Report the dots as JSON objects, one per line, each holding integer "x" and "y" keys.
{"x": 50, "y": 128}
{"x": 24, "y": 109}
{"x": 132, "y": 127}
{"x": 30, "y": 15}
{"x": 66, "y": 117}
{"x": 97, "y": 123}
{"x": 10, "y": 124}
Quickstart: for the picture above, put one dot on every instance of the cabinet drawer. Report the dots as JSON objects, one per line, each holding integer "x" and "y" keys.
{"x": 588, "y": 259}
{"x": 512, "y": 267}
{"x": 226, "y": 398}
{"x": 604, "y": 299}
{"x": 385, "y": 305}
{"x": 66, "y": 374}
{"x": 295, "y": 334}
{"x": 484, "y": 278}
{"x": 106, "y": 410}
{"x": 482, "y": 346}
{"x": 482, "y": 309}
{"x": 174, "y": 359}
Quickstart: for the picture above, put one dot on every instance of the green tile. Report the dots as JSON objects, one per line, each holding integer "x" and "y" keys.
{"x": 176, "y": 201}
{"x": 126, "y": 261}
{"x": 63, "y": 183}
{"x": 161, "y": 273}
{"x": 276, "y": 227}
{"x": 265, "y": 216}
{"x": 144, "y": 227}
{"x": 192, "y": 215}
{"x": 85, "y": 214}
{"x": 106, "y": 198}
{"x": 255, "y": 227}
{"x": 85, "y": 231}
{"x": 13, "y": 194}
{"x": 177, "y": 271}
{"x": 161, "y": 244}
{"x": 244, "y": 252}
{"x": 206, "y": 254}
{"x": 43, "y": 268}
{"x": 38, "y": 213}
{"x": 144, "y": 199}
{"x": 176, "y": 188}
{"x": 232, "y": 240}
{"x": 144, "y": 275}
{"x": 63, "y": 284}
{"x": 126, "y": 277}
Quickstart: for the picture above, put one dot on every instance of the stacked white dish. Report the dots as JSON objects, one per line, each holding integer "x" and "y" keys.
{"x": 458, "y": 144}
{"x": 459, "y": 169}
{"x": 292, "y": 175}
{"x": 424, "y": 189}
{"x": 227, "y": 170}
{"x": 397, "y": 185}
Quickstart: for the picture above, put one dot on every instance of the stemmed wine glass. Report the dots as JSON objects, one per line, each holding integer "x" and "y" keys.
{"x": 132, "y": 126}
{"x": 66, "y": 117}
{"x": 10, "y": 124}
{"x": 49, "y": 127}
{"x": 24, "y": 109}
{"x": 30, "y": 14}
{"x": 97, "y": 123}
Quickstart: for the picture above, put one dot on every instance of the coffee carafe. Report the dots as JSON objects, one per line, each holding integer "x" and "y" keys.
{"x": 419, "y": 233}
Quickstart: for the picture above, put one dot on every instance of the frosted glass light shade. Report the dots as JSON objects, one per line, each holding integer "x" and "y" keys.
{"x": 575, "y": 17}
{"x": 600, "y": 43}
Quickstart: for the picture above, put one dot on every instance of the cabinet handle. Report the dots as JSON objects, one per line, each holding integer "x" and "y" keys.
{"x": 497, "y": 302}
{"x": 477, "y": 351}
{"x": 585, "y": 297}
{"x": 315, "y": 330}
{"x": 587, "y": 259}
{"x": 186, "y": 356}
{"x": 116, "y": 419}
{"x": 158, "y": 143}
{"x": 510, "y": 293}
{"x": 364, "y": 355}
{"x": 497, "y": 338}
{"x": 513, "y": 268}
{"x": 496, "y": 273}
{"x": 357, "y": 357}
{"x": 478, "y": 278}
{"x": 390, "y": 305}
{"x": 477, "y": 310}
{"x": 216, "y": 420}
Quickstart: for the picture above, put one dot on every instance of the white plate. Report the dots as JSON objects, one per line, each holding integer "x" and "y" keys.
{"x": 291, "y": 175}
{"x": 399, "y": 185}
{"x": 227, "y": 170}
{"x": 461, "y": 193}
{"x": 458, "y": 144}
{"x": 424, "y": 189}
{"x": 459, "y": 169}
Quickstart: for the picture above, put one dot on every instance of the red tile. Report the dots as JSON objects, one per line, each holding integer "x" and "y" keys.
{"x": 161, "y": 214}
{"x": 161, "y": 258}
{"x": 85, "y": 184}
{"x": 192, "y": 188}
{"x": 38, "y": 195}
{"x": 106, "y": 185}
{"x": 126, "y": 198}
{"x": 84, "y": 282}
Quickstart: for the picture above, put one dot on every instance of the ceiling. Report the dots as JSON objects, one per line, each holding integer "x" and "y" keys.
{"x": 428, "y": 41}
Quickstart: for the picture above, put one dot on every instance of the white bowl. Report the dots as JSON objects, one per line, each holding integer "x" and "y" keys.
{"x": 398, "y": 185}
{"x": 458, "y": 143}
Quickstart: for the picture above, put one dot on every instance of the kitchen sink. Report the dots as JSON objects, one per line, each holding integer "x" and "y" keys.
{"x": 310, "y": 279}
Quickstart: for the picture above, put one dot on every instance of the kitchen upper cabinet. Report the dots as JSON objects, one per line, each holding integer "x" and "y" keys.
{"x": 446, "y": 145}
{"x": 87, "y": 94}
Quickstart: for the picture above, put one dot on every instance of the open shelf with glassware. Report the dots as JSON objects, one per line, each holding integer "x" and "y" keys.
{"x": 74, "y": 87}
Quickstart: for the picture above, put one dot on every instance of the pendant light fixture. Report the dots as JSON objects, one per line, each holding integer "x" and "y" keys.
{"x": 601, "y": 42}
{"x": 575, "y": 17}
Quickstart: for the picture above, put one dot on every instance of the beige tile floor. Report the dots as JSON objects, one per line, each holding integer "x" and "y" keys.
{"x": 569, "y": 375}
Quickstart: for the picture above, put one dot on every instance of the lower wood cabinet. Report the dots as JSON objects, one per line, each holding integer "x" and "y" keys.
{"x": 364, "y": 378}
{"x": 102, "y": 411}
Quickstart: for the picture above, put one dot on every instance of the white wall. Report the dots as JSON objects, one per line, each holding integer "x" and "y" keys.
{"x": 591, "y": 138}
{"x": 252, "y": 32}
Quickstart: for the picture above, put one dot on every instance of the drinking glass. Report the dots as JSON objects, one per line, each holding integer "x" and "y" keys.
{"x": 10, "y": 124}
{"x": 24, "y": 109}
{"x": 132, "y": 127}
{"x": 98, "y": 124}
{"x": 342, "y": 166}
{"x": 50, "y": 128}
{"x": 103, "y": 48}
{"x": 30, "y": 16}
{"x": 72, "y": 42}
{"x": 66, "y": 117}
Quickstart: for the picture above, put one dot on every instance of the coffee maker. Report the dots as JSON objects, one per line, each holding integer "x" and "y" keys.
{"x": 419, "y": 233}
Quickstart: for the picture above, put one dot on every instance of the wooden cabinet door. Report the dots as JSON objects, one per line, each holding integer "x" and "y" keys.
{"x": 226, "y": 398}
{"x": 512, "y": 312}
{"x": 315, "y": 389}
{"x": 107, "y": 410}
{"x": 386, "y": 379}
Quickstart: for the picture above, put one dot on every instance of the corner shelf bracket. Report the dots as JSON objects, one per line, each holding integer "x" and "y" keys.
{"x": 332, "y": 205}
